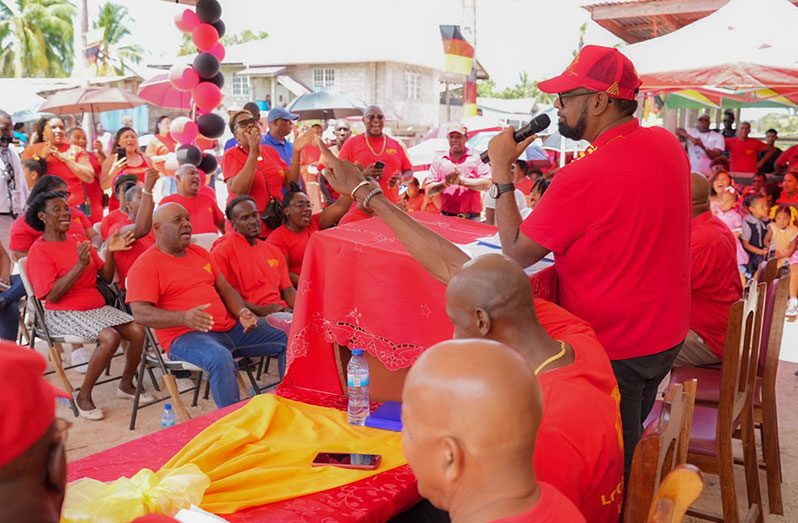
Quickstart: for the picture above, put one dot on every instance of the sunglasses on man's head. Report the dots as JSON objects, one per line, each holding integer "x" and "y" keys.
{"x": 373, "y": 116}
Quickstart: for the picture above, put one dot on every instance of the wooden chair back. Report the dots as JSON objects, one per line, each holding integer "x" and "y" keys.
{"x": 771, "y": 271}
{"x": 662, "y": 448}
{"x": 773, "y": 328}
{"x": 678, "y": 490}
{"x": 740, "y": 356}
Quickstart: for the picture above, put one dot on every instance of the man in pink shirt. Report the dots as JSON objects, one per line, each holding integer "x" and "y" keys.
{"x": 459, "y": 177}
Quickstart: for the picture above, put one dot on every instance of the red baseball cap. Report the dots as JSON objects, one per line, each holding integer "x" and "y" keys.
{"x": 27, "y": 400}
{"x": 597, "y": 68}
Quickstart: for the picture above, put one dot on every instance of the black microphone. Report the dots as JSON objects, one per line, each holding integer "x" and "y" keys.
{"x": 536, "y": 125}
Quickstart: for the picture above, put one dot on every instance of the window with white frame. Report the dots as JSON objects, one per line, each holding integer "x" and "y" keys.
{"x": 412, "y": 85}
{"x": 240, "y": 85}
{"x": 324, "y": 79}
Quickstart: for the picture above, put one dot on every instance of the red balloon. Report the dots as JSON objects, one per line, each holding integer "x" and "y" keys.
{"x": 187, "y": 20}
{"x": 183, "y": 77}
{"x": 204, "y": 36}
{"x": 217, "y": 51}
{"x": 207, "y": 96}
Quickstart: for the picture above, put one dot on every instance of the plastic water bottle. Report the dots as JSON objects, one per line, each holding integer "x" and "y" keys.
{"x": 168, "y": 416}
{"x": 357, "y": 380}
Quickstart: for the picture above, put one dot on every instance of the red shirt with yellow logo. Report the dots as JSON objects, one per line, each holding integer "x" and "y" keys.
{"x": 384, "y": 149}
{"x": 579, "y": 448}
{"x": 202, "y": 209}
{"x": 258, "y": 272}
{"x": 178, "y": 283}
{"x": 124, "y": 260}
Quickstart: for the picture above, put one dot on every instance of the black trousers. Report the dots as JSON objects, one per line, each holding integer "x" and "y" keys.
{"x": 638, "y": 380}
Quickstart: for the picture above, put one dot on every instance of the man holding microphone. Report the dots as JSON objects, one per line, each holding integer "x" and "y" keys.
{"x": 617, "y": 223}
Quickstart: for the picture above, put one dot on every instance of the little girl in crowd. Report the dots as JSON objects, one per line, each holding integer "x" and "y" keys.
{"x": 754, "y": 230}
{"x": 734, "y": 221}
{"x": 718, "y": 184}
{"x": 782, "y": 237}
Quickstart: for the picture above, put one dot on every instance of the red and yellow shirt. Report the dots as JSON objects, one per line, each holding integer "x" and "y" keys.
{"x": 293, "y": 244}
{"x": 202, "y": 209}
{"x": 50, "y": 261}
{"x": 384, "y": 149}
{"x": 177, "y": 283}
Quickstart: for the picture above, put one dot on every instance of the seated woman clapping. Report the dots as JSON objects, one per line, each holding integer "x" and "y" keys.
{"x": 63, "y": 270}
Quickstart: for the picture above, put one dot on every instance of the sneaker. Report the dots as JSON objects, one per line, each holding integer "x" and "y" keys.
{"x": 792, "y": 307}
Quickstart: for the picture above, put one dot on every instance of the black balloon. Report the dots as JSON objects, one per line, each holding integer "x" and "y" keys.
{"x": 220, "y": 28}
{"x": 218, "y": 79}
{"x": 211, "y": 125}
{"x": 208, "y": 164}
{"x": 188, "y": 154}
{"x": 206, "y": 65}
{"x": 209, "y": 11}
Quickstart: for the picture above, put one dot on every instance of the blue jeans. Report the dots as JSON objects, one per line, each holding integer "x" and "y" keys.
{"x": 9, "y": 309}
{"x": 213, "y": 352}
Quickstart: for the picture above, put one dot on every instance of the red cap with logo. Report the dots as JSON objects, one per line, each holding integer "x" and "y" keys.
{"x": 27, "y": 400}
{"x": 597, "y": 68}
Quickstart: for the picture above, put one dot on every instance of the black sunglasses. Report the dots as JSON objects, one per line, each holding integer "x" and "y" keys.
{"x": 560, "y": 96}
{"x": 246, "y": 122}
{"x": 377, "y": 116}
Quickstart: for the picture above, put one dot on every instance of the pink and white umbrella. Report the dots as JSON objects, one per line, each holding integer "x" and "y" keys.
{"x": 159, "y": 92}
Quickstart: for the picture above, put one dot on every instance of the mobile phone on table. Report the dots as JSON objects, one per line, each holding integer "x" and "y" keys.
{"x": 379, "y": 165}
{"x": 121, "y": 152}
{"x": 347, "y": 460}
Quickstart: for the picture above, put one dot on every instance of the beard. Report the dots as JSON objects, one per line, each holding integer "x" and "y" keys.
{"x": 574, "y": 132}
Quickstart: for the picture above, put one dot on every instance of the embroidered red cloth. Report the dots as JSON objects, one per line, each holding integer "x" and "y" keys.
{"x": 361, "y": 288}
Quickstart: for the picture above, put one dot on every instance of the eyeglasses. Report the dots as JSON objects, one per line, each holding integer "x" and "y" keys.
{"x": 243, "y": 124}
{"x": 377, "y": 116}
{"x": 560, "y": 96}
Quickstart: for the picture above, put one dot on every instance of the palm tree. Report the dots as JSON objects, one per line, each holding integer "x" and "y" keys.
{"x": 114, "y": 20}
{"x": 36, "y": 38}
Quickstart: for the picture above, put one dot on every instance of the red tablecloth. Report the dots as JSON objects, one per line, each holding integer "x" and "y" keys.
{"x": 361, "y": 288}
{"x": 375, "y": 499}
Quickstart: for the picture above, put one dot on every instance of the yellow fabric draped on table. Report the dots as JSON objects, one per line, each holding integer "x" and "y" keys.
{"x": 262, "y": 453}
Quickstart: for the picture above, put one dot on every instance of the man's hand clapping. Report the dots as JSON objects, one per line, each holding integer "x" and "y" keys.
{"x": 198, "y": 319}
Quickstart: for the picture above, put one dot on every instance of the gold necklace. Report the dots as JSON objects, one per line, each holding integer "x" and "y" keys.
{"x": 384, "y": 143}
{"x": 552, "y": 359}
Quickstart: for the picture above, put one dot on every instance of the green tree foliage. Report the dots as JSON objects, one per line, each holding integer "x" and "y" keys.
{"x": 525, "y": 88}
{"x": 36, "y": 38}
{"x": 785, "y": 124}
{"x": 114, "y": 20}
{"x": 187, "y": 47}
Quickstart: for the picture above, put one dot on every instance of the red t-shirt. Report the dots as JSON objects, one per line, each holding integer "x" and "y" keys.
{"x": 525, "y": 186}
{"x": 386, "y": 150}
{"x": 138, "y": 171}
{"x": 715, "y": 279}
{"x": 293, "y": 244}
{"x": 258, "y": 272}
{"x": 787, "y": 199}
{"x": 621, "y": 241}
{"x": 269, "y": 173}
{"x": 50, "y": 261}
{"x": 58, "y": 168}
{"x": 415, "y": 204}
{"x": 94, "y": 191}
{"x": 178, "y": 284}
{"x": 21, "y": 235}
{"x": 109, "y": 221}
{"x": 552, "y": 507}
{"x": 124, "y": 260}
{"x": 788, "y": 157}
{"x": 354, "y": 214}
{"x": 743, "y": 154}
{"x": 202, "y": 209}
{"x": 585, "y": 465}
{"x": 309, "y": 154}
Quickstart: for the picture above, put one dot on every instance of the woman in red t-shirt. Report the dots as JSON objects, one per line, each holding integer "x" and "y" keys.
{"x": 300, "y": 223}
{"x": 63, "y": 160}
{"x": 159, "y": 147}
{"x": 127, "y": 158}
{"x": 21, "y": 235}
{"x": 258, "y": 170}
{"x": 789, "y": 189}
{"x": 94, "y": 192}
{"x": 63, "y": 271}
{"x": 415, "y": 199}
